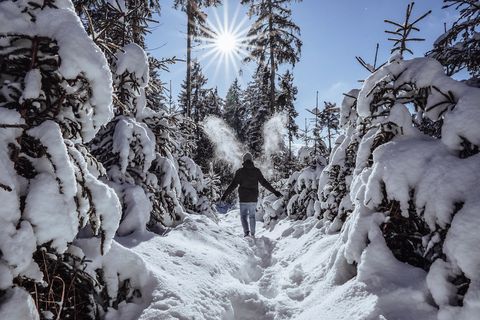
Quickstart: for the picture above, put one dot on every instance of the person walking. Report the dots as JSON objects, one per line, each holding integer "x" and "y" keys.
{"x": 247, "y": 178}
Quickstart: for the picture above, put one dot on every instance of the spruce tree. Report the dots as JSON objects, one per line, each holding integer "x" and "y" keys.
{"x": 274, "y": 39}
{"x": 403, "y": 179}
{"x": 197, "y": 93}
{"x": 459, "y": 47}
{"x": 196, "y": 27}
{"x": 204, "y": 102}
{"x": 57, "y": 216}
{"x": 234, "y": 112}
{"x": 113, "y": 25}
{"x": 285, "y": 103}
{"x": 255, "y": 100}
{"x": 328, "y": 119}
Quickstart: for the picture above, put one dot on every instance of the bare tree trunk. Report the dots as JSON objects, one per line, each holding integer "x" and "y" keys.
{"x": 272, "y": 58}
{"x": 189, "y": 57}
{"x": 315, "y": 135}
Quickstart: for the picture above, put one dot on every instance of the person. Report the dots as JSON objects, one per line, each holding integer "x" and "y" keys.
{"x": 247, "y": 178}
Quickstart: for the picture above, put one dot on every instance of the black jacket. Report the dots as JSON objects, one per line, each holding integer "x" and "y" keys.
{"x": 248, "y": 178}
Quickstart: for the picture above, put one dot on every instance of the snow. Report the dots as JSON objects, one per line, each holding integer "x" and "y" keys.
{"x": 133, "y": 59}
{"x": 204, "y": 270}
{"x": 335, "y": 267}
{"x": 463, "y": 115}
{"x": 33, "y": 84}
{"x": 63, "y": 25}
{"x": 127, "y": 133}
{"x": 118, "y": 265}
{"x": 137, "y": 214}
{"x": 18, "y": 304}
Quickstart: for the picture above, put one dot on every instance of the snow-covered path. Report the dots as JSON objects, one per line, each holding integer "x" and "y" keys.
{"x": 204, "y": 270}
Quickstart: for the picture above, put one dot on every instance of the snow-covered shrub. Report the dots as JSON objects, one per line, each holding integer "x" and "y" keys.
{"x": 194, "y": 188}
{"x": 334, "y": 186}
{"x": 55, "y": 94}
{"x": 305, "y": 193}
{"x": 413, "y": 195}
{"x": 299, "y": 197}
{"x": 126, "y": 146}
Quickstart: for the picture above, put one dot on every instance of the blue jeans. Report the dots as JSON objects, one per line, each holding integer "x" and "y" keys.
{"x": 248, "y": 209}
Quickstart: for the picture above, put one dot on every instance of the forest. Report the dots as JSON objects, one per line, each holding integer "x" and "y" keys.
{"x": 112, "y": 187}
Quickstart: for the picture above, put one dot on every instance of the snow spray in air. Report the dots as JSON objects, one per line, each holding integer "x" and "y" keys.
{"x": 274, "y": 131}
{"x": 227, "y": 146}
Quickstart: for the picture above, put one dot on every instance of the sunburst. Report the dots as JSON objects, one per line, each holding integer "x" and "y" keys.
{"x": 227, "y": 42}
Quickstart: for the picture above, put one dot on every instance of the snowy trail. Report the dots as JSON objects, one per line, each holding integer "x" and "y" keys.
{"x": 204, "y": 270}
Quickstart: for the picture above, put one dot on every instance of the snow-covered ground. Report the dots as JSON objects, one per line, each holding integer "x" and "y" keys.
{"x": 205, "y": 270}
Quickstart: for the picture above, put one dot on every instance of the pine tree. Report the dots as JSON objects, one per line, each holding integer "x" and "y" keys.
{"x": 334, "y": 186}
{"x": 197, "y": 93}
{"x": 401, "y": 174}
{"x": 328, "y": 119}
{"x": 273, "y": 39}
{"x": 459, "y": 47}
{"x": 255, "y": 100}
{"x": 285, "y": 103}
{"x": 136, "y": 147}
{"x": 157, "y": 93}
{"x": 205, "y": 102}
{"x": 55, "y": 94}
{"x": 113, "y": 25}
{"x": 234, "y": 112}
{"x": 196, "y": 27}
{"x": 320, "y": 149}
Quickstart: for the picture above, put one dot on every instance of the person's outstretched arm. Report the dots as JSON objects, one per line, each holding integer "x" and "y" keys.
{"x": 267, "y": 185}
{"x": 231, "y": 187}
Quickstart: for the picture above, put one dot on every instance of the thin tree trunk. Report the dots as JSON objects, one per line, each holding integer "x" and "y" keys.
{"x": 272, "y": 58}
{"x": 316, "y": 133}
{"x": 189, "y": 56}
{"x": 290, "y": 149}
{"x": 329, "y": 138}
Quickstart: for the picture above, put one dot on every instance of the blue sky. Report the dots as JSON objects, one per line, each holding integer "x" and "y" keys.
{"x": 333, "y": 33}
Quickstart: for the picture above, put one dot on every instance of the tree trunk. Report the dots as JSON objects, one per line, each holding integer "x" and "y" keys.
{"x": 189, "y": 57}
{"x": 329, "y": 138}
{"x": 290, "y": 138}
{"x": 272, "y": 58}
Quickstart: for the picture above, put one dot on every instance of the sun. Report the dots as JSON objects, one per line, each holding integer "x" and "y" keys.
{"x": 226, "y": 42}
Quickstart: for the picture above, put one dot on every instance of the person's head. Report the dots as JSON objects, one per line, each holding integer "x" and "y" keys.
{"x": 247, "y": 157}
